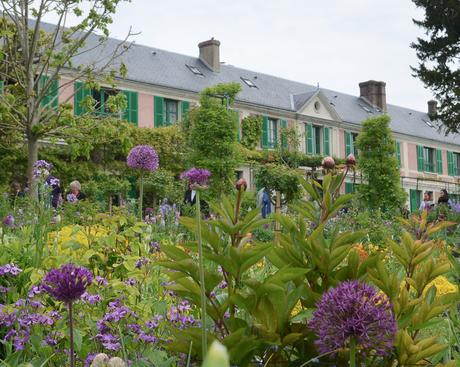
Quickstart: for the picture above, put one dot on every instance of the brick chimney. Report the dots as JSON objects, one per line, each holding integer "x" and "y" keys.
{"x": 432, "y": 107}
{"x": 374, "y": 92}
{"x": 209, "y": 54}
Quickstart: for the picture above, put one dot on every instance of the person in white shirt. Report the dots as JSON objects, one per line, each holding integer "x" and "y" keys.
{"x": 427, "y": 202}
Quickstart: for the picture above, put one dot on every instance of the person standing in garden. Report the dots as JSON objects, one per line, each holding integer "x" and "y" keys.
{"x": 266, "y": 204}
{"x": 444, "y": 198}
{"x": 427, "y": 202}
{"x": 75, "y": 193}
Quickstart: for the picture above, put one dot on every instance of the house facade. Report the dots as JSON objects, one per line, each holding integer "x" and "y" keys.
{"x": 161, "y": 86}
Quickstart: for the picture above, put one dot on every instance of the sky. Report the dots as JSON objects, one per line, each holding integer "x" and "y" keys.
{"x": 336, "y": 43}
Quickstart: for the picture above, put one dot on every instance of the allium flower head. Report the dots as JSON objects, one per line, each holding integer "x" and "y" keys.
{"x": 328, "y": 163}
{"x": 143, "y": 157}
{"x": 67, "y": 283}
{"x": 41, "y": 169}
{"x": 350, "y": 160}
{"x": 8, "y": 220}
{"x": 354, "y": 310}
{"x": 196, "y": 176}
{"x": 241, "y": 184}
{"x": 72, "y": 198}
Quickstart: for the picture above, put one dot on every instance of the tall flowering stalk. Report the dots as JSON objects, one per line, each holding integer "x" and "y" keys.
{"x": 355, "y": 316}
{"x": 67, "y": 284}
{"x": 144, "y": 158}
{"x": 198, "y": 179}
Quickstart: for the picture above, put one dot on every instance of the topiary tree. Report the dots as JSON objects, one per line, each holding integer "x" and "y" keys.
{"x": 211, "y": 130}
{"x": 379, "y": 166}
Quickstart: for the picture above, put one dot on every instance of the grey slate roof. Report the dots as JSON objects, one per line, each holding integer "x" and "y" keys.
{"x": 164, "y": 68}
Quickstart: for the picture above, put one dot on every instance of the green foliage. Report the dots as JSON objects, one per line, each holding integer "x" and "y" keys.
{"x": 379, "y": 167}
{"x": 251, "y": 130}
{"x": 161, "y": 184}
{"x": 211, "y": 136}
{"x": 438, "y": 55}
{"x": 280, "y": 178}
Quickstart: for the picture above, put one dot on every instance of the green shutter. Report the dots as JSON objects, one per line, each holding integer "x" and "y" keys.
{"x": 414, "y": 196}
{"x": 450, "y": 163}
{"x": 349, "y": 187}
{"x": 264, "y": 142}
{"x": 439, "y": 161}
{"x": 184, "y": 108}
{"x": 284, "y": 138}
{"x": 80, "y": 93}
{"x": 326, "y": 147}
{"x": 51, "y": 97}
{"x": 309, "y": 138}
{"x": 398, "y": 152}
{"x": 2, "y": 83}
{"x": 131, "y": 113}
{"x": 348, "y": 143}
{"x": 420, "y": 160}
{"x": 159, "y": 111}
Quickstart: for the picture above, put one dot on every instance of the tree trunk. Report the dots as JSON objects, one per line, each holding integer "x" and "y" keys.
{"x": 32, "y": 157}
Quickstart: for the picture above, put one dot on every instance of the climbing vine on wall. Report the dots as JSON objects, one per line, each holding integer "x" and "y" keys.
{"x": 251, "y": 130}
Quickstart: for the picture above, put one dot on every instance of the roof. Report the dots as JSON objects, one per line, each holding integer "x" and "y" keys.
{"x": 169, "y": 69}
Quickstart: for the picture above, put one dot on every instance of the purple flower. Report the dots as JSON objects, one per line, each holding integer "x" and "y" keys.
{"x": 67, "y": 283}
{"x": 143, "y": 157}
{"x": 92, "y": 299}
{"x": 141, "y": 262}
{"x": 354, "y": 310}
{"x": 196, "y": 176}
{"x": 101, "y": 281}
{"x": 10, "y": 269}
{"x": 8, "y": 220}
{"x": 41, "y": 169}
{"x": 154, "y": 247}
{"x": 34, "y": 291}
{"x": 53, "y": 182}
{"x": 72, "y": 198}
{"x": 131, "y": 281}
{"x": 89, "y": 359}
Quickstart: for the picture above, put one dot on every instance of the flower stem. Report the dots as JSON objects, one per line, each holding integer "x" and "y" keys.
{"x": 72, "y": 356}
{"x": 352, "y": 352}
{"x": 204, "y": 346}
{"x": 141, "y": 194}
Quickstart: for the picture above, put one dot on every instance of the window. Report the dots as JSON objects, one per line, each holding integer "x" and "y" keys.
{"x": 350, "y": 143}
{"x": 195, "y": 70}
{"x": 428, "y": 159}
{"x": 101, "y": 97}
{"x": 249, "y": 83}
{"x": 171, "y": 111}
{"x": 317, "y": 133}
{"x": 354, "y": 136}
{"x": 272, "y": 132}
{"x": 457, "y": 164}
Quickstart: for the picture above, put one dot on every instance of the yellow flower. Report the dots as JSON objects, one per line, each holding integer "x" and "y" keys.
{"x": 443, "y": 286}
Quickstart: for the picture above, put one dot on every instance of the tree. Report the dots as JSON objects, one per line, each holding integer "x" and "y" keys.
{"x": 35, "y": 54}
{"x": 379, "y": 166}
{"x": 439, "y": 56}
{"x": 211, "y": 131}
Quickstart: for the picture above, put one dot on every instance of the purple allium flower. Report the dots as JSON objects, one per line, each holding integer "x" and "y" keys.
{"x": 53, "y": 182}
{"x": 143, "y": 157}
{"x": 8, "y": 221}
{"x": 328, "y": 162}
{"x": 67, "y": 283}
{"x": 10, "y": 269}
{"x": 354, "y": 310}
{"x": 196, "y": 176}
{"x": 41, "y": 169}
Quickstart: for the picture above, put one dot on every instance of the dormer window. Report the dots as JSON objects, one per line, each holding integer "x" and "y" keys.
{"x": 195, "y": 70}
{"x": 248, "y": 82}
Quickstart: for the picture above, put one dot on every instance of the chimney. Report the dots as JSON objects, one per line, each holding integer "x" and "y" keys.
{"x": 374, "y": 92}
{"x": 209, "y": 54}
{"x": 432, "y": 107}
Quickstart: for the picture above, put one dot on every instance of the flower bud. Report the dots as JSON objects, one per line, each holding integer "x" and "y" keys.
{"x": 100, "y": 360}
{"x": 217, "y": 356}
{"x": 351, "y": 160}
{"x": 8, "y": 221}
{"x": 116, "y": 362}
{"x": 241, "y": 183}
{"x": 328, "y": 163}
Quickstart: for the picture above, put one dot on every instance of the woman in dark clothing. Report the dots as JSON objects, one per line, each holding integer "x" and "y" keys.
{"x": 444, "y": 197}
{"x": 75, "y": 194}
